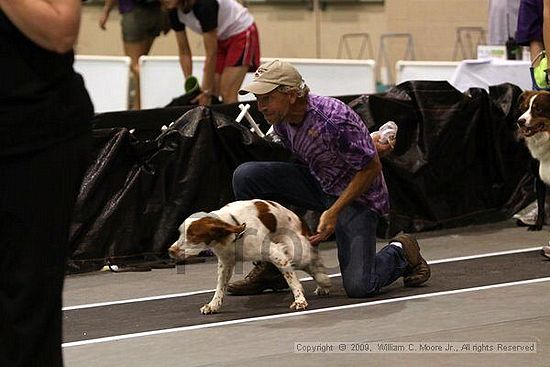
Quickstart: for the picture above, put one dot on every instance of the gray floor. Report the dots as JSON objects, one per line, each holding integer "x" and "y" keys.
{"x": 479, "y": 318}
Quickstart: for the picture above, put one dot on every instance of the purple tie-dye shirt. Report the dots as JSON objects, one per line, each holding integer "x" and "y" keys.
{"x": 335, "y": 143}
{"x": 126, "y": 6}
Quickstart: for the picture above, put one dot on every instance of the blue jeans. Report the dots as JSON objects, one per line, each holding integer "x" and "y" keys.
{"x": 364, "y": 272}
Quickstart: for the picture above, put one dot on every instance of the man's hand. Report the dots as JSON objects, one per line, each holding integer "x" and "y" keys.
{"x": 326, "y": 226}
{"x": 109, "y": 5}
{"x": 383, "y": 149}
{"x": 203, "y": 99}
{"x": 103, "y": 19}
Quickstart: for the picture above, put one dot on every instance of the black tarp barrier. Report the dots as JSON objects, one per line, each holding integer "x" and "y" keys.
{"x": 457, "y": 162}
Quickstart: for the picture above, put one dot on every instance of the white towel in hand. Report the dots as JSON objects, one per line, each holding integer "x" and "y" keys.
{"x": 387, "y": 133}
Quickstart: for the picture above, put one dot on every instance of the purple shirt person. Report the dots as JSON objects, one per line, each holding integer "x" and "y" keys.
{"x": 529, "y": 27}
{"x": 141, "y": 23}
{"x": 340, "y": 174}
{"x": 335, "y": 143}
{"x": 125, "y": 6}
{"x": 529, "y": 30}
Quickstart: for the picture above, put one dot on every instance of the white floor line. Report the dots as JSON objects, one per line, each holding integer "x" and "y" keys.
{"x": 143, "y": 299}
{"x": 295, "y": 314}
{"x": 175, "y": 295}
{"x": 462, "y": 258}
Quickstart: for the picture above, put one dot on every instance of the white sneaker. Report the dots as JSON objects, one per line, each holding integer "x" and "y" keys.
{"x": 528, "y": 218}
{"x": 545, "y": 251}
{"x": 528, "y": 215}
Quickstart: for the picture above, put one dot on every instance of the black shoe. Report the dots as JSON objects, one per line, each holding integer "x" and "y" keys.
{"x": 262, "y": 277}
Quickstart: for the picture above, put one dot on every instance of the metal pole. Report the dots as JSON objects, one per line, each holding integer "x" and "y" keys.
{"x": 317, "y": 15}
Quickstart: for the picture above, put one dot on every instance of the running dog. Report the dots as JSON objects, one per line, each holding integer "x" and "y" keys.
{"x": 253, "y": 230}
{"x": 534, "y": 127}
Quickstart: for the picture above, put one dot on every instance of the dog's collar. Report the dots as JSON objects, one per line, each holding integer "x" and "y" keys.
{"x": 239, "y": 235}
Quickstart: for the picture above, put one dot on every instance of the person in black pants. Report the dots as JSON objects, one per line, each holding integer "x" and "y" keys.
{"x": 45, "y": 114}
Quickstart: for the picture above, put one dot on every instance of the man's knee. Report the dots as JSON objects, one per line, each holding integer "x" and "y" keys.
{"x": 355, "y": 289}
{"x": 243, "y": 177}
{"x": 242, "y": 172}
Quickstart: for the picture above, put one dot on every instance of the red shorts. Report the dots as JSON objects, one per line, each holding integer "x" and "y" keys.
{"x": 238, "y": 50}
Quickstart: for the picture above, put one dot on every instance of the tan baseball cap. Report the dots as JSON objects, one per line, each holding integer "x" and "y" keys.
{"x": 271, "y": 75}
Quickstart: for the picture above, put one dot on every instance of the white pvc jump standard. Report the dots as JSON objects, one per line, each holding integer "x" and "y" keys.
{"x": 107, "y": 80}
{"x": 161, "y": 78}
{"x": 406, "y": 70}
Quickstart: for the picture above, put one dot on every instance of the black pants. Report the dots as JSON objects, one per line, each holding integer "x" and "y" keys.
{"x": 37, "y": 195}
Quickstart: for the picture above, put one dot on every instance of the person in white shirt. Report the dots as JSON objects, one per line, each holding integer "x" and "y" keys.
{"x": 231, "y": 44}
{"x": 502, "y": 22}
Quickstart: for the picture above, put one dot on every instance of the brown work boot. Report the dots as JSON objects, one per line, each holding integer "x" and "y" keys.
{"x": 263, "y": 276}
{"x": 418, "y": 270}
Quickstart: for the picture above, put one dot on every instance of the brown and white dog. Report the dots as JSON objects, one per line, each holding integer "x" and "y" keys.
{"x": 253, "y": 230}
{"x": 534, "y": 128}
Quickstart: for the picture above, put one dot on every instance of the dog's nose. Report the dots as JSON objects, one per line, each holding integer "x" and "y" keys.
{"x": 173, "y": 250}
{"x": 521, "y": 122}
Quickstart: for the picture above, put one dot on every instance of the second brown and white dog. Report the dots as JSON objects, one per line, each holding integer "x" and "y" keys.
{"x": 534, "y": 127}
{"x": 253, "y": 230}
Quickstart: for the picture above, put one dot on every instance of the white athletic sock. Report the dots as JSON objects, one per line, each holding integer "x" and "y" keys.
{"x": 398, "y": 244}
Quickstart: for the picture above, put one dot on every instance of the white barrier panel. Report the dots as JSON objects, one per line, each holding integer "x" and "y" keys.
{"x": 425, "y": 70}
{"x": 334, "y": 77}
{"x": 107, "y": 80}
{"x": 487, "y": 72}
{"x": 161, "y": 77}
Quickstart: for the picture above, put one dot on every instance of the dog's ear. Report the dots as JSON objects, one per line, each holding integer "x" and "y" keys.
{"x": 524, "y": 99}
{"x": 223, "y": 229}
{"x": 210, "y": 229}
{"x": 545, "y": 95}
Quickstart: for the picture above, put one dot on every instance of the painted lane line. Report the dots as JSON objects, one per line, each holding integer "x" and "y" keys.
{"x": 154, "y": 298}
{"x": 135, "y": 300}
{"x": 480, "y": 256}
{"x": 296, "y": 314}
{"x": 193, "y": 293}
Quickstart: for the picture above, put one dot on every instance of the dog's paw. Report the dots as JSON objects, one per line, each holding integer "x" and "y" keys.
{"x": 208, "y": 309}
{"x": 319, "y": 291}
{"x": 298, "y": 305}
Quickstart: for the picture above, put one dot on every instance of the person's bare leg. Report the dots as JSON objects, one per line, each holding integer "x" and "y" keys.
{"x": 230, "y": 82}
{"x": 216, "y": 89}
{"x": 134, "y": 50}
